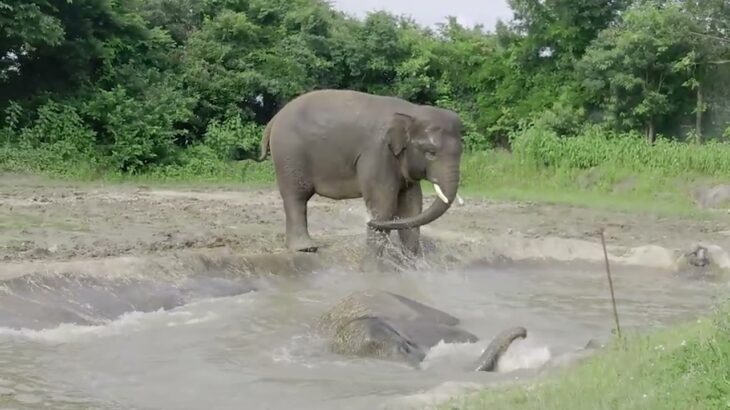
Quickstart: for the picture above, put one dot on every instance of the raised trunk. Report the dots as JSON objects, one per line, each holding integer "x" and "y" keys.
{"x": 449, "y": 185}
{"x": 499, "y": 345}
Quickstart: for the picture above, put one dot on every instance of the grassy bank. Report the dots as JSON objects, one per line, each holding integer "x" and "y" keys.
{"x": 600, "y": 169}
{"x": 684, "y": 367}
{"x": 597, "y": 169}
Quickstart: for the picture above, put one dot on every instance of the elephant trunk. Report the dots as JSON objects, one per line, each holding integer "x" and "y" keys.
{"x": 489, "y": 359}
{"x": 446, "y": 186}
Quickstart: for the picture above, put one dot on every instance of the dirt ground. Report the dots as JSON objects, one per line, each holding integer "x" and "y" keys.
{"x": 42, "y": 220}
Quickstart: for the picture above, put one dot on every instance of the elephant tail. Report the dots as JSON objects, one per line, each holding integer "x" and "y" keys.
{"x": 265, "y": 142}
{"x": 495, "y": 350}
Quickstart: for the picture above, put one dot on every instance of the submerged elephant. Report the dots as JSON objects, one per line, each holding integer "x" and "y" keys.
{"x": 388, "y": 326}
{"x": 343, "y": 144}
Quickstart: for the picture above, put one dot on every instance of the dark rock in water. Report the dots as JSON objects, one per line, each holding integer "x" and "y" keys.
{"x": 698, "y": 257}
{"x": 386, "y": 326}
{"x": 704, "y": 262}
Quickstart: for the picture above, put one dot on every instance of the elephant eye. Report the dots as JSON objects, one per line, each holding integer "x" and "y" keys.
{"x": 430, "y": 156}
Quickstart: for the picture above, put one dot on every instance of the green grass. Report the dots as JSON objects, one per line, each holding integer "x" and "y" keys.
{"x": 682, "y": 367}
{"x": 597, "y": 169}
{"x": 494, "y": 175}
{"x": 500, "y": 175}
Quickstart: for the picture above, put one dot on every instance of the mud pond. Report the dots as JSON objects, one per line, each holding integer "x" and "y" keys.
{"x": 210, "y": 341}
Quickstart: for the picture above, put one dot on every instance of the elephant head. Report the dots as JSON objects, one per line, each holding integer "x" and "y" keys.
{"x": 427, "y": 144}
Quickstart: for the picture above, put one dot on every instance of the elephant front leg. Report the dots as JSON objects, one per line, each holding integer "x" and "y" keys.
{"x": 377, "y": 239}
{"x": 379, "y": 183}
{"x": 410, "y": 203}
{"x": 381, "y": 207}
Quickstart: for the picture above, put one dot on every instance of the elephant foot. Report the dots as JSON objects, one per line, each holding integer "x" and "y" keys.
{"x": 489, "y": 359}
{"x": 303, "y": 245}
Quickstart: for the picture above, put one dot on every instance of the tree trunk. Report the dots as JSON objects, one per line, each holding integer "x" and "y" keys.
{"x": 699, "y": 111}
{"x": 650, "y": 131}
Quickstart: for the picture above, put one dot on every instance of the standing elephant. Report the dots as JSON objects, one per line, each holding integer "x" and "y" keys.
{"x": 344, "y": 144}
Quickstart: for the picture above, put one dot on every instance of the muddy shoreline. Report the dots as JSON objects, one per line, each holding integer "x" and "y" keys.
{"x": 58, "y": 226}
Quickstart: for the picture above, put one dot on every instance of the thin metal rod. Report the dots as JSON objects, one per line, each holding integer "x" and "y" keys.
{"x": 610, "y": 283}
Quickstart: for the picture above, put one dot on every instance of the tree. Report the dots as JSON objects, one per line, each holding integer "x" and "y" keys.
{"x": 26, "y": 26}
{"x": 561, "y": 30}
{"x": 75, "y": 45}
{"x": 631, "y": 70}
{"x": 711, "y": 51}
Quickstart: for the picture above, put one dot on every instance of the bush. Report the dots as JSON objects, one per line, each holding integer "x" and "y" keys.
{"x": 197, "y": 161}
{"x": 232, "y": 139}
{"x": 473, "y": 139}
{"x": 56, "y": 141}
{"x": 138, "y": 132}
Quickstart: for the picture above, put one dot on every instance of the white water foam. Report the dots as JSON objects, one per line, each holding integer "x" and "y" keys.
{"x": 451, "y": 354}
{"x": 521, "y": 354}
{"x": 67, "y": 332}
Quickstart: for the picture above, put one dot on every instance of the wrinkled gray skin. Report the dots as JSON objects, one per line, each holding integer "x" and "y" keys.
{"x": 343, "y": 144}
{"x": 499, "y": 345}
{"x": 387, "y": 326}
{"x": 388, "y": 339}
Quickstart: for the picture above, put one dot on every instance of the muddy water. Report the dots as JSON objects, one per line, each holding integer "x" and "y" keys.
{"x": 222, "y": 343}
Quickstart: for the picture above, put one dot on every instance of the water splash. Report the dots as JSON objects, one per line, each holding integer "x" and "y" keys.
{"x": 523, "y": 354}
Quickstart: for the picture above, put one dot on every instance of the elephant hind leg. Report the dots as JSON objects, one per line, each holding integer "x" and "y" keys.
{"x": 296, "y": 191}
{"x": 296, "y": 186}
{"x": 297, "y": 233}
{"x": 410, "y": 203}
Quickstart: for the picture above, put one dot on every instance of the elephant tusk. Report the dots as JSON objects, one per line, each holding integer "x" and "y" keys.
{"x": 458, "y": 198}
{"x": 440, "y": 193}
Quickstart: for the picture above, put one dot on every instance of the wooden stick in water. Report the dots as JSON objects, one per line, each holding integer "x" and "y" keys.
{"x": 610, "y": 283}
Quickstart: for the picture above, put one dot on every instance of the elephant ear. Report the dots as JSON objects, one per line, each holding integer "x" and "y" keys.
{"x": 399, "y": 132}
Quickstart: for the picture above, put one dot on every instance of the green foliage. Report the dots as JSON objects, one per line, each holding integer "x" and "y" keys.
{"x": 700, "y": 366}
{"x": 57, "y": 141}
{"x": 26, "y": 25}
{"x": 632, "y": 68}
{"x": 161, "y": 86}
{"x": 137, "y": 132}
{"x": 232, "y": 139}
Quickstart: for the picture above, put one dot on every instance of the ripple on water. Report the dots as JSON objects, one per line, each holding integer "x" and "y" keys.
{"x": 257, "y": 349}
{"x": 27, "y": 398}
